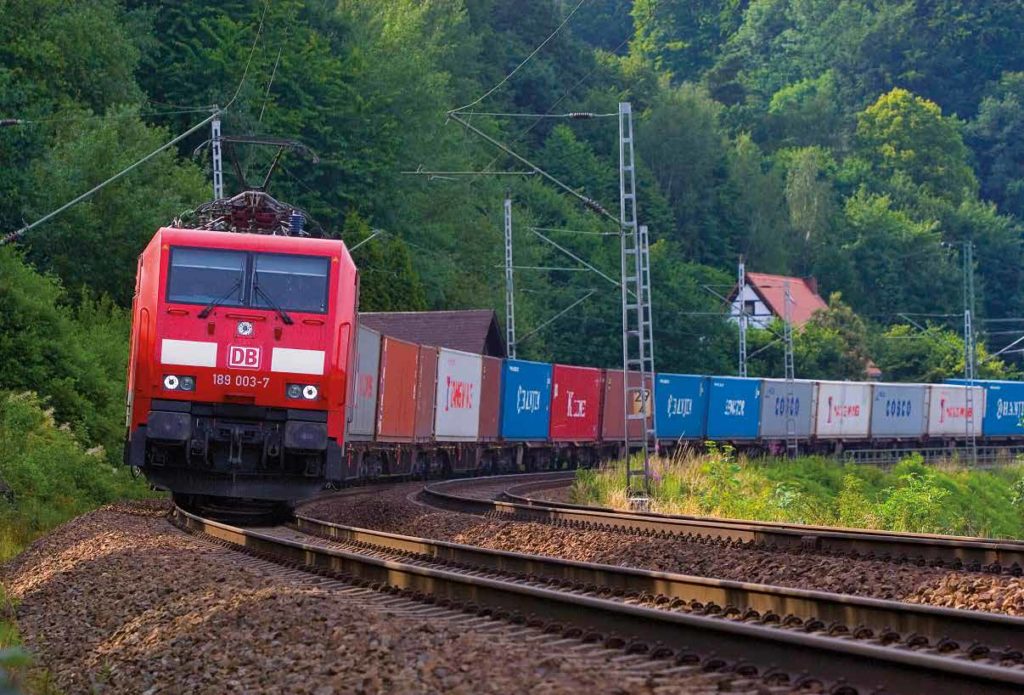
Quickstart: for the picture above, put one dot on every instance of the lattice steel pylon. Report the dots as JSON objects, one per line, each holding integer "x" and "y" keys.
{"x": 637, "y": 336}
{"x": 792, "y": 445}
{"x": 969, "y": 352}
{"x": 216, "y": 159}
{"x": 741, "y": 284}
{"x": 510, "y": 301}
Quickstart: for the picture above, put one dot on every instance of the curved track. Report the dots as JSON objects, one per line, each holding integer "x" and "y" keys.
{"x": 976, "y": 554}
{"x": 617, "y": 607}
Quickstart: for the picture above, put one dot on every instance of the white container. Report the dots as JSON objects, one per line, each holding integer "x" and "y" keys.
{"x": 843, "y": 410}
{"x": 457, "y": 399}
{"x": 363, "y": 415}
{"x": 948, "y": 413}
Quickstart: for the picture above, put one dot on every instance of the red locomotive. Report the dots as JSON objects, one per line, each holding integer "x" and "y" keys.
{"x": 238, "y": 371}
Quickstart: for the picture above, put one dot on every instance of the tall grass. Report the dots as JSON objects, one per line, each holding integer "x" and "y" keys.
{"x": 946, "y": 498}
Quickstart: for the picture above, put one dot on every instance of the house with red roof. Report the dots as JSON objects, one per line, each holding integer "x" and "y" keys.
{"x": 763, "y": 298}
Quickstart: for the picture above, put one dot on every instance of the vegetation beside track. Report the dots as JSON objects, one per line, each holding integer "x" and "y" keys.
{"x": 50, "y": 475}
{"x": 910, "y": 497}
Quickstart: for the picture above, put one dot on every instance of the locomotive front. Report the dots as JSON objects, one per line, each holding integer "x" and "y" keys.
{"x": 238, "y": 369}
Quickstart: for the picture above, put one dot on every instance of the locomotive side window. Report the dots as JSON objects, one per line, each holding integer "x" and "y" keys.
{"x": 199, "y": 276}
{"x": 295, "y": 283}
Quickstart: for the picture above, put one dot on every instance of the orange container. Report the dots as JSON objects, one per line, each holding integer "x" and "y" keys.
{"x": 490, "y": 398}
{"x": 396, "y": 405}
{"x": 613, "y": 421}
{"x": 426, "y": 383}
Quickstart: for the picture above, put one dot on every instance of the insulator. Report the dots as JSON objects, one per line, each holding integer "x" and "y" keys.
{"x": 580, "y": 115}
{"x": 594, "y": 205}
{"x": 296, "y": 222}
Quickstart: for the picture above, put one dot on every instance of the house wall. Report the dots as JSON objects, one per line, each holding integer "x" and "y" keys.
{"x": 761, "y": 317}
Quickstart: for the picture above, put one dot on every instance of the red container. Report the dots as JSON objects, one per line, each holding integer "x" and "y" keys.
{"x": 613, "y": 421}
{"x": 426, "y": 382}
{"x": 490, "y": 398}
{"x": 575, "y": 403}
{"x": 396, "y": 405}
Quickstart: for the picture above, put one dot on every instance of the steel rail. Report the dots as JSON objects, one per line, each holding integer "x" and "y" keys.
{"x": 951, "y": 551}
{"x": 841, "y": 613}
{"x": 857, "y": 666}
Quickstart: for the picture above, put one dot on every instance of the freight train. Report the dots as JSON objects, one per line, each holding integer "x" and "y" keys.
{"x": 250, "y": 378}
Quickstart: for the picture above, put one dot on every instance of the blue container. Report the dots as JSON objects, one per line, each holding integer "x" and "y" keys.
{"x": 1004, "y": 407}
{"x": 734, "y": 408}
{"x": 525, "y": 400}
{"x": 681, "y": 401}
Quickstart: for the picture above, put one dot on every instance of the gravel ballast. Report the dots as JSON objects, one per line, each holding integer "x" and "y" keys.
{"x": 392, "y": 509}
{"x": 119, "y": 601}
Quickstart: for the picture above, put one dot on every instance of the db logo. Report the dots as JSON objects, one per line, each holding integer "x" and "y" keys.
{"x": 244, "y": 357}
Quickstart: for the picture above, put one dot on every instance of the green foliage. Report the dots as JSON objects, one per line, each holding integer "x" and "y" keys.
{"x": 813, "y": 137}
{"x": 51, "y": 476}
{"x": 816, "y": 490}
{"x": 903, "y": 135}
{"x": 74, "y": 358}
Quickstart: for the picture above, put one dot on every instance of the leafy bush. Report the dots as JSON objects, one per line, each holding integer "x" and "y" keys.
{"x": 52, "y": 477}
{"x": 75, "y": 359}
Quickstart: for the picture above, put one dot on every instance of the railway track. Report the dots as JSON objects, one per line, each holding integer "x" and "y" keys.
{"x": 650, "y": 614}
{"x": 954, "y": 552}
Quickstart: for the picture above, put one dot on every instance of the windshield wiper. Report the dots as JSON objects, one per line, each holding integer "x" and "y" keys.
{"x": 273, "y": 305}
{"x": 220, "y": 300}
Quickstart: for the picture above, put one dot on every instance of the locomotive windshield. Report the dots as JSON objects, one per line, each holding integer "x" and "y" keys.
{"x": 244, "y": 279}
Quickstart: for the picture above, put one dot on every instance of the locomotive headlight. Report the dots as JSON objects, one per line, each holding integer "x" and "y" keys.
{"x": 307, "y": 392}
{"x": 174, "y": 382}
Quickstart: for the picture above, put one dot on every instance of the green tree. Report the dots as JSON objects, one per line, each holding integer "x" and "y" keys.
{"x": 758, "y": 210}
{"x": 682, "y": 37}
{"x": 997, "y": 137}
{"x": 75, "y": 362}
{"x": 906, "y": 353}
{"x": 95, "y": 243}
{"x": 680, "y": 140}
{"x": 387, "y": 281}
{"x": 903, "y": 135}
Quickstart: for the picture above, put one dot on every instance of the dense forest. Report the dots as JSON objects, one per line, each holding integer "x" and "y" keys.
{"x": 859, "y": 141}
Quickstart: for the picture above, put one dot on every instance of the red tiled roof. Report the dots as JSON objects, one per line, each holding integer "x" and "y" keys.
{"x": 772, "y": 289}
{"x": 470, "y": 330}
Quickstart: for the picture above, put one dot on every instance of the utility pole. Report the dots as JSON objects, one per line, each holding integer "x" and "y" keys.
{"x": 218, "y": 166}
{"x": 510, "y": 301}
{"x": 792, "y": 446}
{"x": 970, "y": 354}
{"x": 636, "y": 346}
{"x": 741, "y": 284}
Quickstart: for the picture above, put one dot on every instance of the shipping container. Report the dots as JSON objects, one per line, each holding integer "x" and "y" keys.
{"x": 899, "y": 411}
{"x": 681, "y": 406}
{"x": 490, "y": 398}
{"x": 1004, "y": 407}
{"x": 843, "y": 410}
{"x": 457, "y": 401}
{"x": 949, "y": 413}
{"x": 787, "y": 409}
{"x": 526, "y": 400}
{"x": 575, "y": 403}
{"x": 734, "y": 408}
{"x": 363, "y": 416}
{"x": 396, "y": 402}
{"x": 613, "y": 420}
{"x": 426, "y": 384}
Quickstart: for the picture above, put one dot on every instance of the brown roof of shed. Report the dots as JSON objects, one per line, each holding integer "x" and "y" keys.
{"x": 470, "y": 330}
